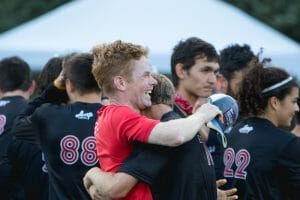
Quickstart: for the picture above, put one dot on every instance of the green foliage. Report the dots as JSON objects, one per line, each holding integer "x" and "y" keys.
{"x": 283, "y": 15}
{"x": 15, "y": 12}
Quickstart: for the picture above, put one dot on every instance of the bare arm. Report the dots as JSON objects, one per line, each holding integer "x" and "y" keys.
{"x": 108, "y": 185}
{"x": 179, "y": 131}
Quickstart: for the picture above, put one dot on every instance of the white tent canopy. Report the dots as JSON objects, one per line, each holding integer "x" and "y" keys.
{"x": 159, "y": 25}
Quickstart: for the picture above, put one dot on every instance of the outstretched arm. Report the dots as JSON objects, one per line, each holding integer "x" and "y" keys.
{"x": 179, "y": 131}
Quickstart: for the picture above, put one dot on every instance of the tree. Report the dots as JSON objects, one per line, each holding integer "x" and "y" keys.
{"x": 281, "y": 14}
{"x": 15, "y": 12}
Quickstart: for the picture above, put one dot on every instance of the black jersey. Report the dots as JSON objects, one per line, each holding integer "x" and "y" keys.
{"x": 262, "y": 161}
{"x": 66, "y": 135}
{"x": 186, "y": 173}
{"x": 10, "y": 107}
{"x": 25, "y": 163}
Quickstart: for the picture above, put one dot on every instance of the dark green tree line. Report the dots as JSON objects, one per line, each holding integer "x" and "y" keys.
{"x": 15, "y": 12}
{"x": 283, "y": 15}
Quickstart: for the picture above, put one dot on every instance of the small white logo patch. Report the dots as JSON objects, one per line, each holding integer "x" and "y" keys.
{"x": 82, "y": 115}
{"x": 246, "y": 129}
{"x": 4, "y": 102}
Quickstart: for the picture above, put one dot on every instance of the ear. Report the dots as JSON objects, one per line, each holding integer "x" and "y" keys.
{"x": 180, "y": 71}
{"x": 70, "y": 86}
{"x": 120, "y": 83}
{"x": 221, "y": 84}
{"x": 32, "y": 87}
{"x": 274, "y": 102}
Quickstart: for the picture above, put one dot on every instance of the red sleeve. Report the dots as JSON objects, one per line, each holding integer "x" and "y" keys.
{"x": 133, "y": 126}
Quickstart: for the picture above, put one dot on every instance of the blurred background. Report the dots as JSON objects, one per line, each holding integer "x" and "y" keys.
{"x": 20, "y": 21}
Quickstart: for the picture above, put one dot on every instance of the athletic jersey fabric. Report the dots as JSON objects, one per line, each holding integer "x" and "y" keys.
{"x": 184, "y": 172}
{"x": 67, "y": 141}
{"x": 262, "y": 161}
{"x": 10, "y": 107}
{"x": 65, "y": 134}
{"x": 116, "y": 129}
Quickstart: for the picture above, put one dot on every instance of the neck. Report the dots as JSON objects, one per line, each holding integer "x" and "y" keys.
{"x": 92, "y": 97}
{"x": 296, "y": 130}
{"x": 116, "y": 100}
{"x": 269, "y": 116}
{"x": 186, "y": 95}
{"x": 156, "y": 111}
{"x": 21, "y": 93}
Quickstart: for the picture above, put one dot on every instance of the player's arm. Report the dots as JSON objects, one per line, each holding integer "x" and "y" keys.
{"x": 177, "y": 132}
{"x": 108, "y": 185}
{"x": 23, "y": 127}
{"x": 144, "y": 164}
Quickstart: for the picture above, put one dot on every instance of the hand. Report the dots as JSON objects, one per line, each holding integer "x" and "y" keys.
{"x": 200, "y": 101}
{"x": 95, "y": 195}
{"x": 90, "y": 186}
{"x": 209, "y": 111}
{"x": 87, "y": 178}
{"x": 225, "y": 194}
{"x": 204, "y": 133}
{"x": 59, "y": 82}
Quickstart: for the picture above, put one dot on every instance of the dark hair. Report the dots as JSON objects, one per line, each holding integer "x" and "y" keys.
{"x": 78, "y": 69}
{"x": 14, "y": 74}
{"x": 187, "y": 51}
{"x": 252, "y": 101}
{"x": 235, "y": 58}
{"x": 49, "y": 73}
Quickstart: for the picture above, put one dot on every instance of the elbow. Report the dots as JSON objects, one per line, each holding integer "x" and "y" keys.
{"x": 177, "y": 141}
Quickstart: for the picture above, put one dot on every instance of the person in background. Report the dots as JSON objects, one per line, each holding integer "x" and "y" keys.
{"x": 24, "y": 161}
{"x": 262, "y": 160}
{"x": 235, "y": 63}
{"x": 16, "y": 87}
{"x": 65, "y": 131}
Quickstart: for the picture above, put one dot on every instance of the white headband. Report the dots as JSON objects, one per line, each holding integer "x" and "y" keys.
{"x": 277, "y": 85}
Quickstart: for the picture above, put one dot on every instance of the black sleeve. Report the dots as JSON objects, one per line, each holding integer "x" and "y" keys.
{"x": 146, "y": 161}
{"x": 23, "y": 127}
{"x": 10, "y": 171}
{"x": 290, "y": 160}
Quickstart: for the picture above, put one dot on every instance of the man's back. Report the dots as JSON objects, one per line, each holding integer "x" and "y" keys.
{"x": 10, "y": 107}
{"x": 67, "y": 140}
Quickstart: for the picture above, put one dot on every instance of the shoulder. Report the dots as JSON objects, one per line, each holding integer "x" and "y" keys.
{"x": 117, "y": 111}
{"x": 169, "y": 116}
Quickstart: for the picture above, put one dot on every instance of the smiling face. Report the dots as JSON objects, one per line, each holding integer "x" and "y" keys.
{"x": 287, "y": 108}
{"x": 141, "y": 84}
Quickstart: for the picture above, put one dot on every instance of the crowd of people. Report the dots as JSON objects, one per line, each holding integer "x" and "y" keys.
{"x": 102, "y": 125}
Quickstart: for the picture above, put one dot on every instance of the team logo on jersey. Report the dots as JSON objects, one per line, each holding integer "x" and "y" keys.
{"x": 82, "y": 115}
{"x": 2, "y": 123}
{"x": 246, "y": 129}
{"x": 4, "y": 102}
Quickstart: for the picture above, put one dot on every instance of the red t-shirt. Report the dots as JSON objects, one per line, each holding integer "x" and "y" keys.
{"x": 116, "y": 128}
